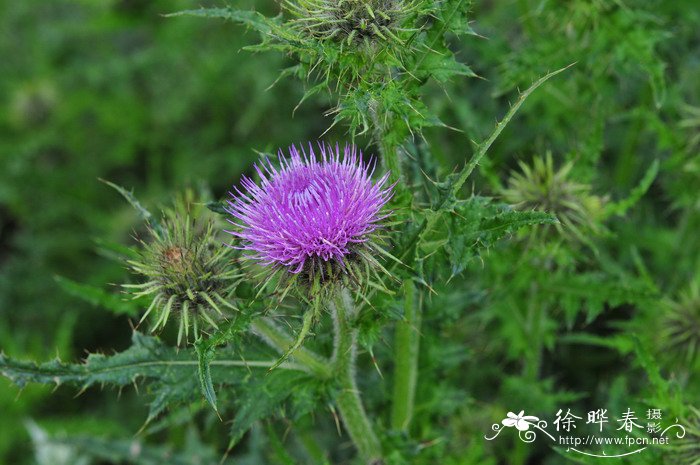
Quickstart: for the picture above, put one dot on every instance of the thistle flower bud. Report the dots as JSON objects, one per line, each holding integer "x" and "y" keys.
{"x": 542, "y": 187}
{"x": 351, "y": 21}
{"x": 187, "y": 273}
{"x": 314, "y": 222}
{"x": 680, "y": 326}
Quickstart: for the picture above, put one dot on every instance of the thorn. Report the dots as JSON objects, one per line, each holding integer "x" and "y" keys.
{"x": 374, "y": 361}
{"x": 81, "y": 391}
{"x": 337, "y": 420}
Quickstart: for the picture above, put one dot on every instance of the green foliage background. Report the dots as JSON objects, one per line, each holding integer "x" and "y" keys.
{"x": 112, "y": 89}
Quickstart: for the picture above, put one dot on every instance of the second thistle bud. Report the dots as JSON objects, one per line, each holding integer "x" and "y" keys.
{"x": 540, "y": 186}
{"x": 186, "y": 271}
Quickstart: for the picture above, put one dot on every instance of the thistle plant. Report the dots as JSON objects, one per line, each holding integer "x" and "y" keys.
{"x": 314, "y": 223}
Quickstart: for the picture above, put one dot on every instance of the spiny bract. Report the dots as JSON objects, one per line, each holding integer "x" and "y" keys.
{"x": 313, "y": 218}
{"x": 188, "y": 273}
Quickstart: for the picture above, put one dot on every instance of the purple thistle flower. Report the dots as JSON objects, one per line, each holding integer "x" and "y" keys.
{"x": 309, "y": 210}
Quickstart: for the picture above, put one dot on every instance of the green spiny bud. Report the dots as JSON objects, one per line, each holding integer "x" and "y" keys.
{"x": 680, "y": 328}
{"x": 187, "y": 271}
{"x": 353, "y": 22}
{"x": 542, "y": 187}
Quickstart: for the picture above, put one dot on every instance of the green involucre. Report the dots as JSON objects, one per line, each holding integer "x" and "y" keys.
{"x": 187, "y": 272}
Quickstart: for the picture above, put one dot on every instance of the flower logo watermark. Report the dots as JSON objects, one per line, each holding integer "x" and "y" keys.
{"x": 520, "y": 421}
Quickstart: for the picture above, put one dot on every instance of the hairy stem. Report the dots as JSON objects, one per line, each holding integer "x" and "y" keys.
{"x": 348, "y": 400}
{"x": 406, "y": 345}
{"x": 388, "y": 149}
{"x": 267, "y": 330}
{"x": 390, "y": 161}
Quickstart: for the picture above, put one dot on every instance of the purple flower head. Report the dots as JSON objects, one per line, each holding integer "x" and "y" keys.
{"x": 309, "y": 210}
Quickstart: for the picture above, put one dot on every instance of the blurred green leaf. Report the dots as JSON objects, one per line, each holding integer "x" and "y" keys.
{"x": 116, "y": 303}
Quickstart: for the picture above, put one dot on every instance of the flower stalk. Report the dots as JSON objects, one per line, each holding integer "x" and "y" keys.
{"x": 349, "y": 403}
{"x": 406, "y": 348}
{"x": 390, "y": 161}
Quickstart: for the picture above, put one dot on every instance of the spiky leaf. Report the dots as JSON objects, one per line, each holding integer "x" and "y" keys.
{"x": 170, "y": 374}
{"x": 262, "y": 397}
{"x": 205, "y": 349}
{"x": 252, "y": 19}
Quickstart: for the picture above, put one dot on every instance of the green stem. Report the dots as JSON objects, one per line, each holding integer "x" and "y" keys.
{"x": 348, "y": 400}
{"x": 276, "y": 337}
{"x": 390, "y": 161}
{"x": 533, "y": 329}
{"x": 406, "y": 345}
{"x": 390, "y": 155}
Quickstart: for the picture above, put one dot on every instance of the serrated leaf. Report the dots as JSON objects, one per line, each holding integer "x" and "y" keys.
{"x": 205, "y": 349}
{"x": 476, "y": 223}
{"x": 204, "y": 373}
{"x": 463, "y": 244}
{"x": 443, "y": 67}
{"x": 592, "y": 292}
{"x": 455, "y": 181}
{"x": 252, "y": 19}
{"x": 261, "y": 397}
{"x": 662, "y": 388}
{"x": 170, "y": 374}
{"x": 453, "y": 15}
{"x": 129, "y": 196}
{"x": 494, "y": 228}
